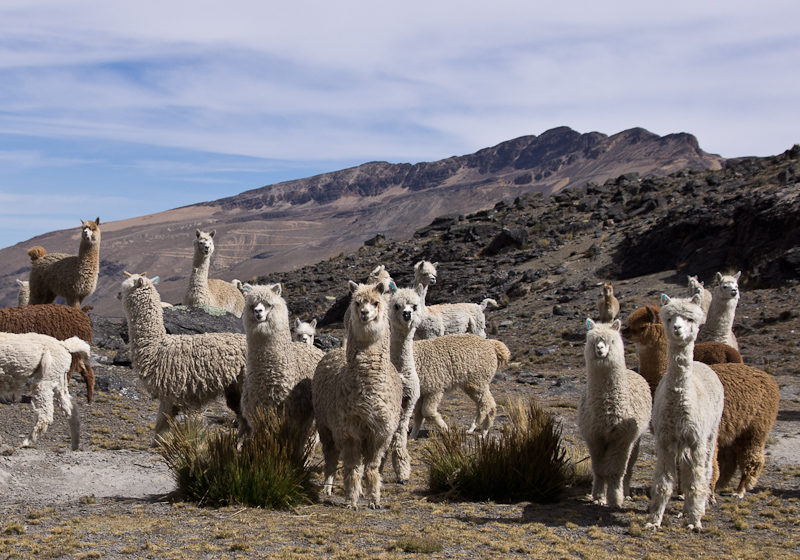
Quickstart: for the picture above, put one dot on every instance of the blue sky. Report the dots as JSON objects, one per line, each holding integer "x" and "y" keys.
{"x": 121, "y": 109}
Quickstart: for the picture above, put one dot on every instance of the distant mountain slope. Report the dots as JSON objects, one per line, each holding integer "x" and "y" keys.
{"x": 295, "y": 223}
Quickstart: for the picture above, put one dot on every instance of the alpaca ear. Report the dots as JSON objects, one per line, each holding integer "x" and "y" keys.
{"x": 296, "y": 322}
{"x": 616, "y": 325}
{"x": 97, "y": 221}
{"x": 128, "y": 274}
{"x": 138, "y": 282}
{"x": 246, "y": 288}
{"x": 379, "y": 288}
{"x": 664, "y": 299}
{"x": 435, "y": 264}
{"x": 420, "y": 290}
{"x": 277, "y": 289}
{"x": 212, "y": 233}
{"x": 377, "y": 269}
{"x": 736, "y": 276}
{"x": 197, "y": 232}
{"x": 392, "y": 287}
{"x": 590, "y": 324}
{"x": 652, "y": 315}
{"x": 697, "y": 299}
{"x": 416, "y": 266}
{"x": 313, "y": 323}
{"x": 352, "y": 286}
{"x": 20, "y": 282}
{"x": 718, "y": 277}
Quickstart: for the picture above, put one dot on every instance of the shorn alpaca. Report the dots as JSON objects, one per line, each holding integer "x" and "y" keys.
{"x": 687, "y": 410}
{"x": 211, "y": 292}
{"x": 722, "y": 311}
{"x": 72, "y": 277}
{"x": 609, "y": 305}
{"x": 279, "y": 370}
{"x": 44, "y": 361}
{"x": 613, "y": 413}
{"x": 357, "y": 396}
{"x": 697, "y": 287}
{"x": 456, "y": 361}
{"x": 404, "y": 309}
{"x": 184, "y": 372}
{"x": 304, "y": 332}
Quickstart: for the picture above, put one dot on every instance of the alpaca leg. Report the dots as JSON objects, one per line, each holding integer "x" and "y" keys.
{"x": 165, "y": 412}
{"x": 697, "y": 491}
{"x": 86, "y": 371}
{"x": 486, "y": 408}
{"x": 351, "y": 467}
{"x": 71, "y": 410}
{"x": 401, "y": 459}
{"x": 418, "y": 417}
{"x": 663, "y": 482}
{"x": 597, "y": 451}
{"x": 373, "y": 452}
{"x": 751, "y": 461}
{"x": 431, "y": 413}
{"x": 331, "y": 455}
{"x": 724, "y": 468}
{"x": 634, "y": 456}
{"x": 43, "y": 395}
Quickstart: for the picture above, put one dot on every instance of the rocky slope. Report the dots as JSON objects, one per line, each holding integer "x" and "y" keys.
{"x": 297, "y": 223}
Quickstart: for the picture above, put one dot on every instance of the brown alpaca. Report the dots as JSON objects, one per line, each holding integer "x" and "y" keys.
{"x": 751, "y": 398}
{"x": 72, "y": 277}
{"x": 609, "y": 305}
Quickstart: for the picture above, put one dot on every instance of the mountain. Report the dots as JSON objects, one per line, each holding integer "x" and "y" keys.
{"x": 288, "y": 225}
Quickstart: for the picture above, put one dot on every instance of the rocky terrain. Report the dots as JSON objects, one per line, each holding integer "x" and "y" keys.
{"x": 543, "y": 258}
{"x": 297, "y": 223}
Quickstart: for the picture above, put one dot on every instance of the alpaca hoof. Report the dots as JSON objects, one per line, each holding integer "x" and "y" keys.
{"x": 739, "y": 495}
{"x": 375, "y": 506}
{"x": 402, "y": 481}
{"x": 695, "y": 528}
{"x": 652, "y": 526}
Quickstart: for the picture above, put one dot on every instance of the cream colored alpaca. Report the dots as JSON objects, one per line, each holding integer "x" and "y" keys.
{"x": 279, "y": 370}
{"x": 687, "y": 410}
{"x": 696, "y": 287}
{"x": 304, "y": 332}
{"x": 211, "y": 292}
{"x": 722, "y": 312}
{"x": 72, "y": 277}
{"x": 404, "y": 309}
{"x": 613, "y": 413}
{"x": 357, "y": 395}
{"x": 24, "y": 295}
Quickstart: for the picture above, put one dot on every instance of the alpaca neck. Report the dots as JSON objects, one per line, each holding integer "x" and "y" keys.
{"x": 402, "y": 350}
{"x": 680, "y": 360}
{"x": 264, "y": 342}
{"x": 146, "y": 321}
{"x": 721, "y": 314}
{"x": 367, "y": 349}
{"x": 653, "y": 358}
{"x": 88, "y": 256}
{"x": 605, "y": 377}
{"x": 200, "y": 265}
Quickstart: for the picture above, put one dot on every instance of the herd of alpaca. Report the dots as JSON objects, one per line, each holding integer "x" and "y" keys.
{"x": 709, "y": 413}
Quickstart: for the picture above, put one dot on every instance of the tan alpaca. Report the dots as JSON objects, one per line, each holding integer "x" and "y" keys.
{"x": 609, "y": 305}
{"x": 357, "y": 395}
{"x": 72, "y": 277}
{"x": 211, "y": 292}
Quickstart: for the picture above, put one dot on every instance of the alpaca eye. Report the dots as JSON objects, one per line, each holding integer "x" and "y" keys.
{"x": 397, "y": 306}
{"x": 414, "y": 307}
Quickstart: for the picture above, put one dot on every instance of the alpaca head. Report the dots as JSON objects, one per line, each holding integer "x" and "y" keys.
{"x": 644, "y": 326}
{"x": 404, "y": 308}
{"x": 682, "y": 318}
{"x": 265, "y": 310}
{"x": 695, "y": 286}
{"x": 727, "y": 286}
{"x": 204, "y": 242}
{"x": 139, "y": 291}
{"x": 608, "y": 290}
{"x": 425, "y": 273}
{"x": 304, "y": 332}
{"x": 368, "y": 314}
{"x": 381, "y": 276}
{"x": 603, "y": 343}
{"x": 90, "y": 232}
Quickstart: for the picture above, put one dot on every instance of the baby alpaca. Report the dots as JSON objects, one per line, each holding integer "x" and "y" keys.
{"x": 613, "y": 413}
{"x": 304, "y": 332}
{"x": 279, "y": 370}
{"x": 44, "y": 361}
{"x": 609, "y": 305}
{"x": 357, "y": 395}
{"x": 687, "y": 410}
{"x": 211, "y": 292}
{"x": 72, "y": 277}
{"x": 722, "y": 311}
{"x": 452, "y": 361}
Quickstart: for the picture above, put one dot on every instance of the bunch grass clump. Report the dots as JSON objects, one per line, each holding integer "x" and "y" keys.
{"x": 527, "y": 461}
{"x": 211, "y": 468}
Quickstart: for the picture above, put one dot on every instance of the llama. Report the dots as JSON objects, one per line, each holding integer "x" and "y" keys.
{"x": 184, "y": 372}
{"x": 687, "y": 410}
{"x": 44, "y": 361}
{"x": 60, "y": 322}
{"x": 211, "y": 292}
{"x": 452, "y": 361}
{"x": 697, "y": 287}
{"x": 722, "y": 311}
{"x": 613, "y": 413}
{"x": 304, "y": 332}
{"x": 609, "y": 304}
{"x": 279, "y": 370}
{"x": 72, "y": 277}
{"x": 24, "y": 294}
{"x": 357, "y": 396}
{"x": 404, "y": 317}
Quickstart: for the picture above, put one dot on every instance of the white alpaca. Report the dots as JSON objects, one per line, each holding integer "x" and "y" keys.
{"x": 184, "y": 372}
{"x": 404, "y": 309}
{"x": 455, "y": 361}
{"x": 687, "y": 409}
{"x": 304, "y": 332}
{"x": 613, "y": 413}
{"x": 722, "y": 311}
{"x": 380, "y": 275}
{"x": 211, "y": 292}
{"x": 447, "y": 318}
{"x": 45, "y": 361}
{"x": 279, "y": 370}
{"x": 357, "y": 396}
{"x": 696, "y": 287}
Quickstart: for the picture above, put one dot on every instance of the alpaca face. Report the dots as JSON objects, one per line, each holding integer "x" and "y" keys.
{"x": 603, "y": 342}
{"x": 90, "y": 231}
{"x": 695, "y": 286}
{"x": 643, "y": 326}
{"x": 682, "y": 319}
{"x": 264, "y": 309}
{"x": 727, "y": 286}
{"x": 608, "y": 290}
{"x": 368, "y": 304}
{"x": 424, "y": 273}
{"x": 404, "y": 308}
{"x": 204, "y": 242}
{"x": 304, "y": 332}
